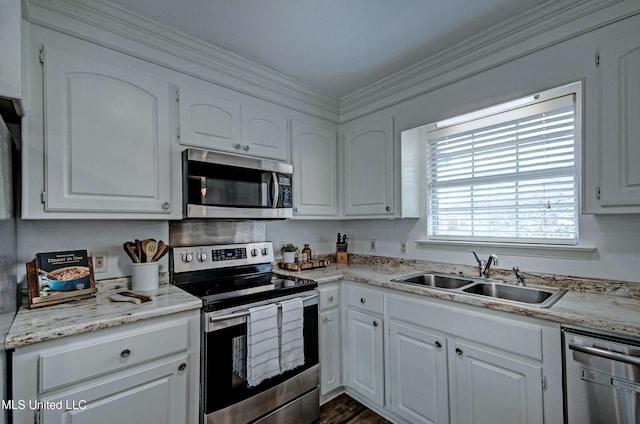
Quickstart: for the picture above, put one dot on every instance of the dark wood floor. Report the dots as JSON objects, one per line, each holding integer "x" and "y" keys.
{"x": 346, "y": 410}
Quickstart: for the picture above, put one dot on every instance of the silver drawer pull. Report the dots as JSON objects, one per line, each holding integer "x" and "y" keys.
{"x": 330, "y": 298}
{"x": 362, "y": 300}
{"x": 182, "y": 367}
{"x": 375, "y": 323}
{"x": 125, "y": 353}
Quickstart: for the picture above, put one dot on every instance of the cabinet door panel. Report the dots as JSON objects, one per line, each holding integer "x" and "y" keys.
{"x": 264, "y": 134}
{"x": 208, "y": 121}
{"x": 419, "y": 384}
{"x": 106, "y": 136}
{"x": 329, "y": 351}
{"x": 365, "y": 364}
{"x": 368, "y": 166}
{"x": 315, "y": 171}
{"x": 491, "y": 388}
{"x": 620, "y": 88}
{"x": 156, "y": 395}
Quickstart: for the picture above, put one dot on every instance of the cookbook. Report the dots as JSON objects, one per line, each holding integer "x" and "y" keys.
{"x": 56, "y": 277}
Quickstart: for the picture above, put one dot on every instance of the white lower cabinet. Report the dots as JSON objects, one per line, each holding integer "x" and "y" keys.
{"x": 329, "y": 335}
{"x": 145, "y": 372}
{"x": 493, "y": 388}
{"x": 364, "y": 348}
{"x": 418, "y": 383}
{"x": 422, "y": 360}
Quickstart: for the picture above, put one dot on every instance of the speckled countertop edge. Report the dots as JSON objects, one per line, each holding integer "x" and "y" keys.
{"x": 52, "y": 322}
{"x": 580, "y": 306}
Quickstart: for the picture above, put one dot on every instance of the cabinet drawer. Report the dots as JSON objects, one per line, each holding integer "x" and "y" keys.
{"x": 95, "y": 356}
{"x": 510, "y": 335}
{"x": 329, "y": 297}
{"x": 365, "y": 299}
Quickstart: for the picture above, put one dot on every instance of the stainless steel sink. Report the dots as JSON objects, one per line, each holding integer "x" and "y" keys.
{"x": 533, "y": 296}
{"x": 494, "y": 289}
{"x": 437, "y": 281}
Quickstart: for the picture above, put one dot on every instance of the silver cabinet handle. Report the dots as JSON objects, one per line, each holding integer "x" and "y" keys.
{"x": 388, "y": 208}
{"x": 166, "y": 206}
{"x": 125, "y": 353}
{"x": 182, "y": 366}
{"x": 245, "y": 148}
{"x": 438, "y": 345}
{"x": 614, "y": 356}
{"x": 362, "y": 300}
{"x": 237, "y": 146}
{"x": 459, "y": 352}
{"x": 375, "y": 323}
{"x": 297, "y": 209}
{"x": 330, "y": 298}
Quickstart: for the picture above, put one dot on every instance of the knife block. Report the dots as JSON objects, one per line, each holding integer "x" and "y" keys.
{"x": 341, "y": 253}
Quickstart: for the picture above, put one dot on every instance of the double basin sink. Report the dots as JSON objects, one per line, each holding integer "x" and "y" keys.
{"x": 494, "y": 289}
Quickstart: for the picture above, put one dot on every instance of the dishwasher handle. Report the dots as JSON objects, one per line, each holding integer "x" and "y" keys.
{"x": 614, "y": 356}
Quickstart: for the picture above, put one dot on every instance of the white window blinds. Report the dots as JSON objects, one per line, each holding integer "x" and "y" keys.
{"x": 506, "y": 177}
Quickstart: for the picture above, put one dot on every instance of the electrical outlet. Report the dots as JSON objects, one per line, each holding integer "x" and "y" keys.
{"x": 403, "y": 247}
{"x": 100, "y": 261}
{"x": 372, "y": 245}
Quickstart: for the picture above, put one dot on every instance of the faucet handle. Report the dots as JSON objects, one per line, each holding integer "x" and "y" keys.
{"x": 476, "y": 256}
{"x": 519, "y": 276}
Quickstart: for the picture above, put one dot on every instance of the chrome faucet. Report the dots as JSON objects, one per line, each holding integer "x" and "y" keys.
{"x": 484, "y": 267}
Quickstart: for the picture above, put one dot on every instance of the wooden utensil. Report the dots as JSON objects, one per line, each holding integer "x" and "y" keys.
{"x": 150, "y": 249}
{"x": 162, "y": 250}
{"x": 139, "y": 251}
{"x": 129, "y": 250}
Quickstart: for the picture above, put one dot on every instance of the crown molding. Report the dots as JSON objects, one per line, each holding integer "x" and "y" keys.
{"x": 474, "y": 54}
{"x": 240, "y": 74}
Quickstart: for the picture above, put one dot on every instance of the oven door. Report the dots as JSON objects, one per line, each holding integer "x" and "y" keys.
{"x": 227, "y": 397}
{"x": 224, "y": 186}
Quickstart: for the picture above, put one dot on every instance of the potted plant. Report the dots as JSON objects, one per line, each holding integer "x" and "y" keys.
{"x": 289, "y": 252}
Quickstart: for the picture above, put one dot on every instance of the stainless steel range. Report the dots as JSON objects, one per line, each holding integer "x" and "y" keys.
{"x": 236, "y": 283}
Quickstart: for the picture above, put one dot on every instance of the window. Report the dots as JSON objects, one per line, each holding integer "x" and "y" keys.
{"x": 508, "y": 176}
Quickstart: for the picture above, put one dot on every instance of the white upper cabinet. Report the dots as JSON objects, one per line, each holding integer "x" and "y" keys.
{"x": 265, "y": 133}
{"x": 106, "y": 135}
{"x": 208, "y": 121}
{"x": 10, "y": 50}
{"x": 214, "y": 118}
{"x": 369, "y": 165}
{"x": 315, "y": 186}
{"x": 620, "y": 109}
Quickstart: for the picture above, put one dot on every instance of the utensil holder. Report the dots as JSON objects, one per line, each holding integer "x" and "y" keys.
{"x": 144, "y": 276}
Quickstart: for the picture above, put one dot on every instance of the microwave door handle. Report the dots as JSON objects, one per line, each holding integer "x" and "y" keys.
{"x": 275, "y": 189}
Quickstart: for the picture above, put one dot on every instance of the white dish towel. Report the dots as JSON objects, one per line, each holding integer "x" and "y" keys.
{"x": 263, "y": 359}
{"x": 291, "y": 334}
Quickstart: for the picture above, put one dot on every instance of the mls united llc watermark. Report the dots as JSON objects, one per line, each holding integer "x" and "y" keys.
{"x": 38, "y": 405}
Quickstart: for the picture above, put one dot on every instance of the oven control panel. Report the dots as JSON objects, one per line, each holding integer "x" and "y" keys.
{"x": 197, "y": 258}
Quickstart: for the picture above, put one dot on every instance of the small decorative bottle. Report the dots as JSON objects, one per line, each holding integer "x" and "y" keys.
{"x": 306, "y": 253}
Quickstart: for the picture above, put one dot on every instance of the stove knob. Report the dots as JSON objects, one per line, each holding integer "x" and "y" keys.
{"x": 186, "y": 258}
{"x": 254, "y": 252}
{"x": 201, "y": 256}
{"x": 265, "y": 251}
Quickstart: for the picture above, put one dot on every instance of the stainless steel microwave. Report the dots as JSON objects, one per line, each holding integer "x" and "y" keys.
{"x": 216, "y": 185}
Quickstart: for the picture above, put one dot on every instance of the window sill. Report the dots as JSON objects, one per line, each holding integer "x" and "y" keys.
{"x": 538, "y": 250}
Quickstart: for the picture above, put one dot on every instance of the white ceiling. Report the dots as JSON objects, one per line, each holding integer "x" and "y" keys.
{"x": 335, "y": 46}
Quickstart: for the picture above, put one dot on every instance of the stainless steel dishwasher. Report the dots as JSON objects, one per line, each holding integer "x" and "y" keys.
{"x": 602, "y": 379}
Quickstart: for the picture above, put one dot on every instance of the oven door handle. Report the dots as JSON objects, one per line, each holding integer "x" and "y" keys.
{"x": 275, "y": 189}
{"x": 246, "y": 313}
{"x": 614, "y": 356}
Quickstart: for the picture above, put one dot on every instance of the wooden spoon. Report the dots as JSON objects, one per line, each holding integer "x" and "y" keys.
{"x": 162, "y": 249}
{"x": 129, "y": 249}
{"x": 150, "y": 249}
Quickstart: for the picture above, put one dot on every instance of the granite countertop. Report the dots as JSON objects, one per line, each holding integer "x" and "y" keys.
{"x": 82, "y": 316}
{"x": 590, "y": 304}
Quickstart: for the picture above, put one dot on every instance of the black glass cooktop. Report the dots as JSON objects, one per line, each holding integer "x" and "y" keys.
{"x": 232, "y": 287}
